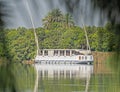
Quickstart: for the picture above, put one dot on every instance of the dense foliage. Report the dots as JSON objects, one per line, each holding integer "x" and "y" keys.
{"x": 20, "y": 44}
{"x": 100, "y": 38}
{"x": 58, "y": 32}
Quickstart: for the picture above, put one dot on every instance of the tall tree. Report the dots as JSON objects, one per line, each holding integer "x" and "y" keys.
{"x": 54, "y": 17}
{"x": 68, "y": 20}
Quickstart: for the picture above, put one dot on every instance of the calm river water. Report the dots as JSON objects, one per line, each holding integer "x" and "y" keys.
{"x": 77, "y": 78}
{"x": 99, "y": 77}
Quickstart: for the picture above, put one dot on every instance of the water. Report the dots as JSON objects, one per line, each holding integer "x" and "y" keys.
{"x": 99, "y": 77}
{"x": 77, "y": 78}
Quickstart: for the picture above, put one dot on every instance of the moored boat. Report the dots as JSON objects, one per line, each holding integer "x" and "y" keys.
{"x": 64, "y": 56}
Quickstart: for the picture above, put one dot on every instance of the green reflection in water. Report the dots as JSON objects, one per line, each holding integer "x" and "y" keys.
{"x": 61, "y": 85}
{"x": 107, "y": 80}
{"x": 17, "y": 77}
{"x": 98, "y": 83}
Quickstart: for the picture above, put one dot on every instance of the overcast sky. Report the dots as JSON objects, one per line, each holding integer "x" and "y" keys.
{"x": 81, "y": 10}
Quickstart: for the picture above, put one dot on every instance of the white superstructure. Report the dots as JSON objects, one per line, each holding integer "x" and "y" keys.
{"x": 66, "y": 56}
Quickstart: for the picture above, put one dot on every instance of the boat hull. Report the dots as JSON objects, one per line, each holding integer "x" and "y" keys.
{"x": 62, "y": 62}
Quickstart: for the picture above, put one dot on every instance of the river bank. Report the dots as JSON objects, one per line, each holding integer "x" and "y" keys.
{"x": 101, "y": 57}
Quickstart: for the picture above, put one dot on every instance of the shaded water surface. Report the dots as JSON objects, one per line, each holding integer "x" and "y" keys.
{"x": 100, "y": 77}
{"x": 77, "y": 78}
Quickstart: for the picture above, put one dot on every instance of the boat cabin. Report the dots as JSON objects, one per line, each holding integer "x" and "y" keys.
{"x": 62, "y": 52}
{"x": 73, "y": 56}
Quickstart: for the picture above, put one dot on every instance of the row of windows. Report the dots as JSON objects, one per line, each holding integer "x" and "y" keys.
{"x": 59, "y": 52}
{"x": 84, "y": 57}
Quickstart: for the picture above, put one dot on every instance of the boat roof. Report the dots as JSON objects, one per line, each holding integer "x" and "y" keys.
{"x": 67, "y": 49}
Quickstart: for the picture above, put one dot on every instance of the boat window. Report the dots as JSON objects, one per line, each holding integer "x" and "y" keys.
{"x": 46, "y": 53}
{"x": 40, "y": 52}
{"x": 67, "y": 53}
{"x": 85, "y": 57}
{"x": 79, "y": 57}
{"x": 55, "y": 52}
{"x": 82, "y": 57}
{"x": 75, "y": 52}
{"x": 90, "y": 57}
{"x": 62, "y": 53}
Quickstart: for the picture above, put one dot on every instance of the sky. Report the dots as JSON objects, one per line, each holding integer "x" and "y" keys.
{"x": 19, "y": 12}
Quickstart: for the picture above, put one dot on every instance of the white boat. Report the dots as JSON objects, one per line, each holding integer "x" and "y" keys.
{"x": 64, "y": 56}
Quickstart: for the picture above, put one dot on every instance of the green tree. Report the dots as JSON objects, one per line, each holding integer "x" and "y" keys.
{"x": 53, "y": 19}
{"x": 68, "y": 21}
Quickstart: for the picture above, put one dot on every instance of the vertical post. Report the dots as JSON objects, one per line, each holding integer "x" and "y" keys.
{"x": 43, "y": 53}
{"x": 70, "y": 52}
{"x": 58, "y": 52}
{"x": 64, "y": 52}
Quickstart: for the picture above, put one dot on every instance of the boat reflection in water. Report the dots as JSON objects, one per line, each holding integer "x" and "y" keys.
{"x": 64, "y": 71}
{"x": 65, "y": 78}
